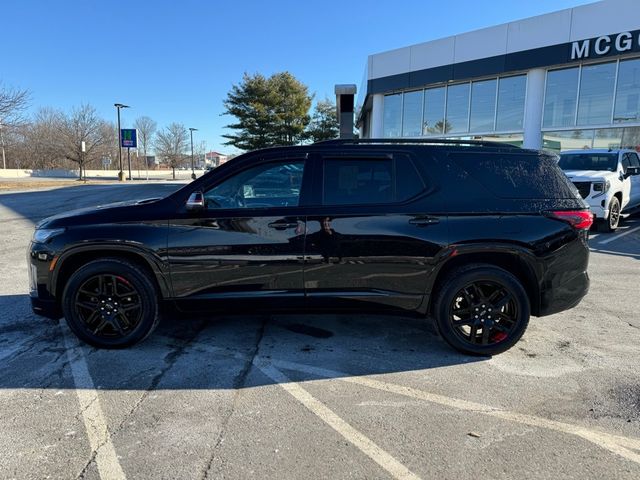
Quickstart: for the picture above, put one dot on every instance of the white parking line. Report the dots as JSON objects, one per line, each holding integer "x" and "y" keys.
{"x": 618, "y": 444}
{"x": 361, "y": 442}
{"x": 99, "y": 438}
{"x": 614, "y": 443}
{"x": 617, "y": 236}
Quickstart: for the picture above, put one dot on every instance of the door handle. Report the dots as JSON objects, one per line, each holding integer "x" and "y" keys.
{"x": 424, "y": 221}
{"x": 283, "y": 225}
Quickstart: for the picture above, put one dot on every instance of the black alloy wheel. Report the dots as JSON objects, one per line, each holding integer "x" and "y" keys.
{"x": 110, "y": 304}
{"x": 482, "y": 310}
{"x": 614, "y": 214}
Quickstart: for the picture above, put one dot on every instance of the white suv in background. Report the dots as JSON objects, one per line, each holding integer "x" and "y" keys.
{"x": 608, "y": 180}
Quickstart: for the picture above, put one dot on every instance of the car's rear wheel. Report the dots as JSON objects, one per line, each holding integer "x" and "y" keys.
{"x": 482, "y": 310}
{"x": 110, "y": 303}
{"x": 611, "y": 223}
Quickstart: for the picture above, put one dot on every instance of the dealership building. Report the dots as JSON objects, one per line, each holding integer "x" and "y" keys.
{"x": 568, "y": 79}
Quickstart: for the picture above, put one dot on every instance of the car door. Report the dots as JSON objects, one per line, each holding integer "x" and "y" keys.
{"x": 247, "y": 243}
{"x": 373, "y": 237}
{"x": 634, "y": 194}
{"x": 627, "y": 191}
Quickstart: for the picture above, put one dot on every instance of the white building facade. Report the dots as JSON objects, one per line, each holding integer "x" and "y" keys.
{"x": 568, "y": 79}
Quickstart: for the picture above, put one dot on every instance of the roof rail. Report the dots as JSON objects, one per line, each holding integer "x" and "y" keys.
{"x": 409, "y": 141}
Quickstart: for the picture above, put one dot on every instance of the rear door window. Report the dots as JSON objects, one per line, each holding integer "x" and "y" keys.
{"x": 365, "y": 181}
{"x": 525, "y": 176}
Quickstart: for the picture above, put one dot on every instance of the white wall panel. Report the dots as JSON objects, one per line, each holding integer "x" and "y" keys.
{"x": 484, "y": 43}
{"x": 433, "y": 54}
{"x": 603, "y": 18}
{"x": 390, "y": 63}
{"x": 540, "y": 31}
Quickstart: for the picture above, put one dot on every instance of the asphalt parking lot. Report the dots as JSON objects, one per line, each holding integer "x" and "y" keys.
{"x": 317, "y": 396}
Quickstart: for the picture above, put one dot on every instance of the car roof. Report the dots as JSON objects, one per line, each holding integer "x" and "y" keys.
{"x": 419, "y": 144}
{"x": 597, "y": 150}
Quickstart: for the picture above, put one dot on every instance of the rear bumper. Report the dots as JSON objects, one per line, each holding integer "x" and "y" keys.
{"x": 565, "y": 295}
{"x": 565, "y": 281}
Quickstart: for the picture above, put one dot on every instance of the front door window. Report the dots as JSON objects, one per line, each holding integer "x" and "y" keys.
{"x": 264, "y": 186}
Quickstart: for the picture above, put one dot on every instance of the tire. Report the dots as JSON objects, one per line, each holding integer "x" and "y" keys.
{"x": 478, "y": 295}
{"x": 611, "y": 224}
{"x": 110, "y": 303}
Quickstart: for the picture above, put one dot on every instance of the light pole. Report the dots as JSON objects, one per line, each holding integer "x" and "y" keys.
{"x": 193, "y": 173}
{"x": 120, "y": 173}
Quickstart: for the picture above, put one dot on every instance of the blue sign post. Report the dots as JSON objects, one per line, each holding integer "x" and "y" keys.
{"x": 129, "y": 139}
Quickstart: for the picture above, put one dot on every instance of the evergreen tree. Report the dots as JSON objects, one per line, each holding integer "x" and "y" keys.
{"x": 324, "y": 122}
{"x": 269, "y": 111}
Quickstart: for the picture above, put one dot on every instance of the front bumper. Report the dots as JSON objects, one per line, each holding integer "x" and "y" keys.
{"x": 599, "y": 211}
{"x": 39, "y": 260}
{"x": 46, "y": 308}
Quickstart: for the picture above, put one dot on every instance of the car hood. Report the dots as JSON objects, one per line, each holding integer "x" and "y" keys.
{"x": 589, "y": 175}
{"x": 130, "y": 210}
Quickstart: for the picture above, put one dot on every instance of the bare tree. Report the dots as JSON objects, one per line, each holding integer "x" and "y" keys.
{"x": 42, "y": 139}
{"x": 12, "y": 103}
{"x": 171, "y": 144}
{"x": 84, "y": 126}
{"x": 146, "y": 130}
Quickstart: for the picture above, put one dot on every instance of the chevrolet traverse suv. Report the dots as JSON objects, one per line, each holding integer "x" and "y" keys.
{"x": 477, "y": 235}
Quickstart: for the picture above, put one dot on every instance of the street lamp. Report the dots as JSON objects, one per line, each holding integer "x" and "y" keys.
{"x": 120, "y": 173}
{"x": 193, "y": 173}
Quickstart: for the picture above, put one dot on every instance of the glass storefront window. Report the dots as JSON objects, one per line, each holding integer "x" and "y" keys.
{"x": 628, "y": 137}
{"x": 631, "y": 138}
{"x": 392, "y": 120}
{"x": 596, "y": 94}
{"x": 628, "y": 92}
{"x": 433, "y": 111}
{"x": 607, "y": 138}
{"x": 412, "y": 114}
{"x": 483, "y": 106}
{"x": 457, "y": 109}
{"x": 567, "y": 140}
{"x": 511, "y": 93}
{"x": 510, "y": 138}
{"x": 560, "y": 98}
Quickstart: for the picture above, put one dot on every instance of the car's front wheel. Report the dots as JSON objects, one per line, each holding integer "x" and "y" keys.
{"x": 110, "y": 303}
{"x": 611, "y": 223}
{"x": 481, "y": 310}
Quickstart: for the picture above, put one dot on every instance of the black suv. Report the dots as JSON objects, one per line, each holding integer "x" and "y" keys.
{"x": 477, "y": 235}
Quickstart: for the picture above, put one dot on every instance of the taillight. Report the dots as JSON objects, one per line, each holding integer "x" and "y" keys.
{"x": 580, "y": 219}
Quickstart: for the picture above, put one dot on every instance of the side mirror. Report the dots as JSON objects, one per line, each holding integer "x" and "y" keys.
{"x": 632, "y": 171}
{"x": 195, "y": 201}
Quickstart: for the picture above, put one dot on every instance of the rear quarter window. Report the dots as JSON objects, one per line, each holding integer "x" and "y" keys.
{"x": 520, "y": 176}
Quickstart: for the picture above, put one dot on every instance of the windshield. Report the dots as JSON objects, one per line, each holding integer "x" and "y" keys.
{"x": 589, "y": 161}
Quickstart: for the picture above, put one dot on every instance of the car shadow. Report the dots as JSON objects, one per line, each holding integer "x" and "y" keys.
{"x": 190, "y": 352}
{"x": 625, "y": 242}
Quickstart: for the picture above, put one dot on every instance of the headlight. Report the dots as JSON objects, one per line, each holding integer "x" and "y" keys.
{"x": 602, "y": 187}
{"x": 42, "y": 235}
